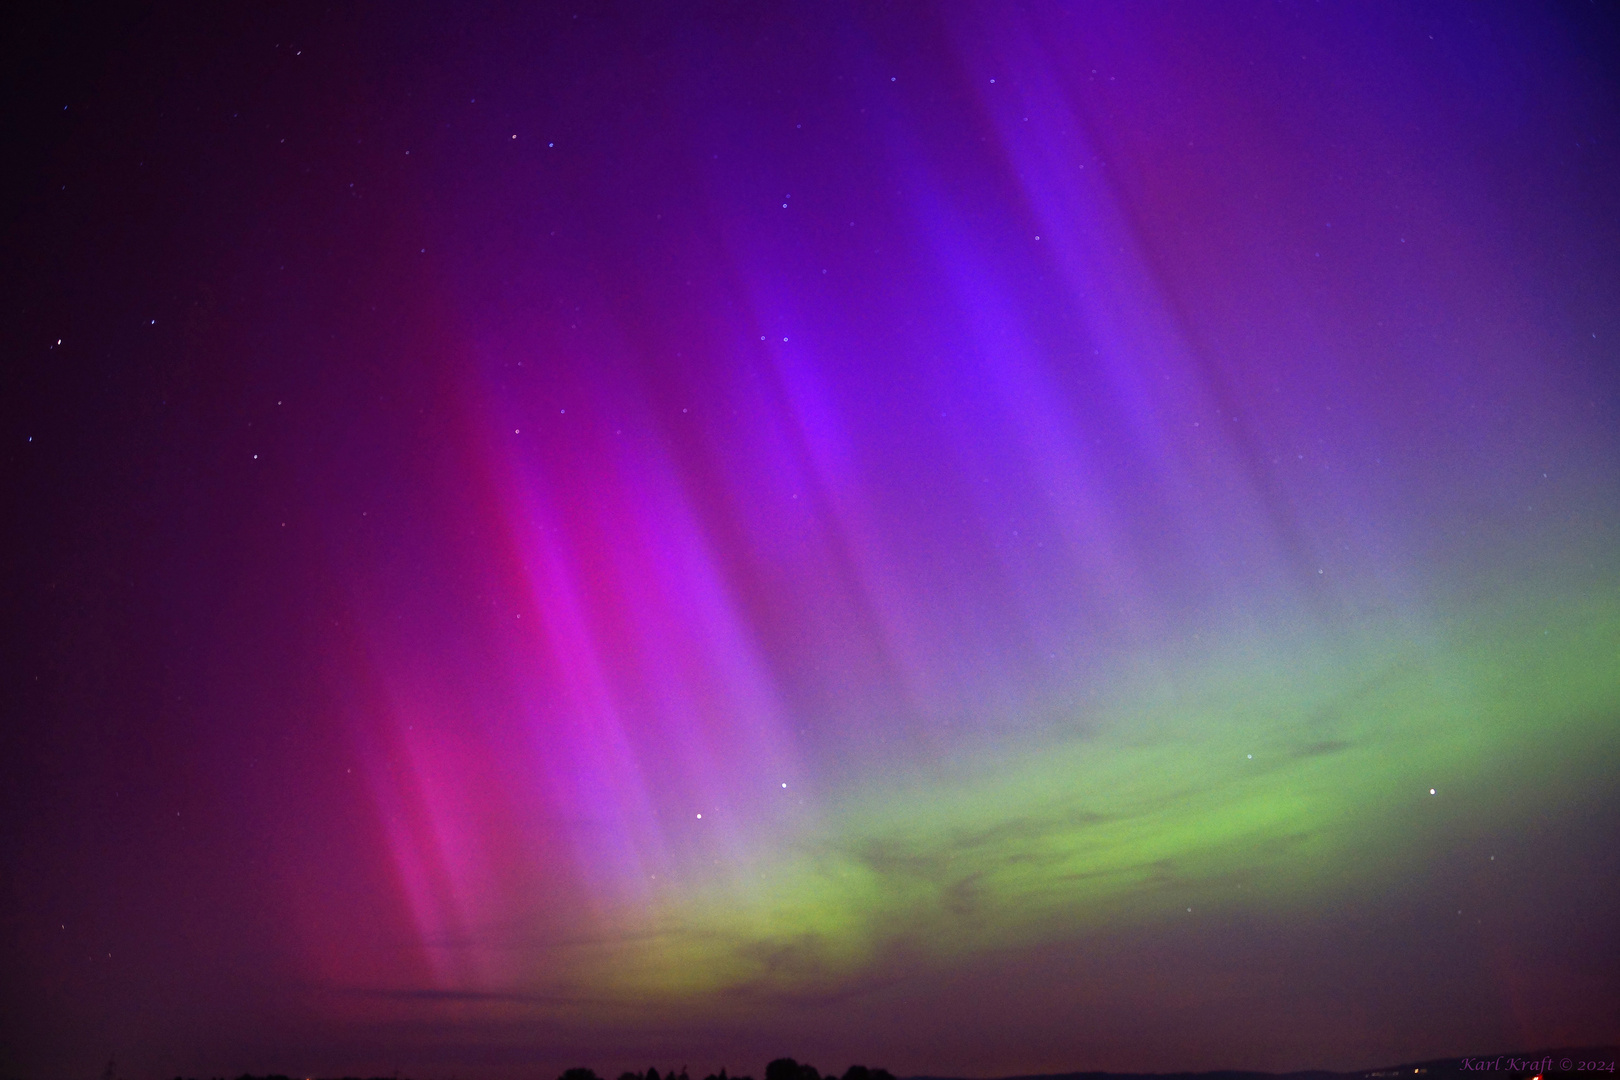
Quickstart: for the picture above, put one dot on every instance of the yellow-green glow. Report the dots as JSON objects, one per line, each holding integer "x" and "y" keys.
{"x": 1269, "y": 773}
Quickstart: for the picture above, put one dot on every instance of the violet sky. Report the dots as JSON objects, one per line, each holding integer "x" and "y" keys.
{"x": 971, "y": 538}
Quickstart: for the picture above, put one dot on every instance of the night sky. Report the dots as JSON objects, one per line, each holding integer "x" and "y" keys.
{"x": 972, "y": 538}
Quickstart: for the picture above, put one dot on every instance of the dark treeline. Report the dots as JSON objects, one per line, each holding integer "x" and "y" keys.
{"x": 780, "y": 1069}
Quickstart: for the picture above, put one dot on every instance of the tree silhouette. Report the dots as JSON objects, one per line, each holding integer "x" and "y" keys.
{"x": 788, "y": 1069}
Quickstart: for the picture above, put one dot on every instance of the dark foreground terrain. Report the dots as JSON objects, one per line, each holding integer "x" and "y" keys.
{"x": 1598, "y": 1061}
{"x": 1571, "y": 1061}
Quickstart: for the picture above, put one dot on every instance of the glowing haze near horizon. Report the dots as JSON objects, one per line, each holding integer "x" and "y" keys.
{"x": 976, "y": 539}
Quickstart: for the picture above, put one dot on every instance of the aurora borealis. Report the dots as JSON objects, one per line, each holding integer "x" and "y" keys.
{"x": 978, "y": 539}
